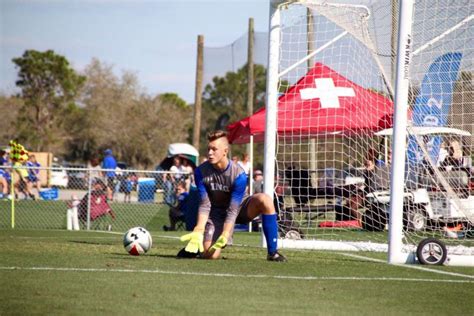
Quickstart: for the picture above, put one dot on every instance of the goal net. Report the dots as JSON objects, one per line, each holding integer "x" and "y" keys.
{"x": 337, "y": 61}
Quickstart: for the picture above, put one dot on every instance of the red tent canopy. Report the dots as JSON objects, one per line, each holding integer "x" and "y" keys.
{"x": 321, "y": 102}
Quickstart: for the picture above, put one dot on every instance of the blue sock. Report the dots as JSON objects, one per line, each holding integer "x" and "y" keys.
{"x": 270, "y": 230}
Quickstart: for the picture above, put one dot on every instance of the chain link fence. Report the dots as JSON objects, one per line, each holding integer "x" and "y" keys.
{"x": 90, "y": 198}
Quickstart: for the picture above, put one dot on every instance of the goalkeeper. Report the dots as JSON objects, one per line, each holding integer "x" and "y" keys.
{"x": 223, "y": 202}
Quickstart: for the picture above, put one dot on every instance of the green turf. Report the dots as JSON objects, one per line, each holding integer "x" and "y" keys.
{"x": 52, "y": 215}
{"x": 242, "y": 283}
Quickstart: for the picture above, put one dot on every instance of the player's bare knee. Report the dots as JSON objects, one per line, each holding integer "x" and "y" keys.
{"x": 264, "y": 203}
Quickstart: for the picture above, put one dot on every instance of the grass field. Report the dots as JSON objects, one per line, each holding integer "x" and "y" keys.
{"x": 52, "y": 215}
{"x": 86, "y": 273}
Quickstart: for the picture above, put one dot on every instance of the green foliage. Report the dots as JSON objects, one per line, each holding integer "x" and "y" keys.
{"x": 77, "y": 116}
{"x": 172, "y": 98}
{"x": 9, "y": 107}
{"x": 228, "y": 95}
{"x": 118, "y": 115}
{"x": 231, "y": 90}
{"x": 49, "y": 87}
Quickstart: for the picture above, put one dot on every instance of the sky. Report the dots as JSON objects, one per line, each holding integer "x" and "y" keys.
{"x": 156, "y": 40}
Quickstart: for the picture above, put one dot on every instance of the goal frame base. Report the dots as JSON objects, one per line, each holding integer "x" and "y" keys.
{"x": 408, "y": 256}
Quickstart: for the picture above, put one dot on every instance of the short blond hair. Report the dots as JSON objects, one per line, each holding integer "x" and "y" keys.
{"x": 212, "y": 136}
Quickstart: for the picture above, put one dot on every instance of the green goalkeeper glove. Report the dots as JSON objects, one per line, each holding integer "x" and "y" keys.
{"x": 195, "y": 241}
{"x": 220, "y": 243}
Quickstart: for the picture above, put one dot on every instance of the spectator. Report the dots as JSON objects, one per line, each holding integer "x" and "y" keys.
{"x": 3, "y": 157}
{"x": 178, "y": 210}
{"x": 443, "y": 153}
{"x": 33, "y": 180}
{"x": 189, "y": 173}
{"x": 299, "y": 182}
{"x": 94, "y": 168}
{"x": 178, "y": 169}
{"x": 279, "y": 188}
{"x": 20, "y": 185}
{"x": 168, "y": 189}
{"x": 98, "y": 207}
{"x": 245, "y": 163}
{"x": 355, "y": 202}
{"x": 348, "y": 209}
{"x": 110, "y": 164}
{"x": 5, "y": 179}
{"x": 369, "y": 172}
{"x": 453, "y": 159}
{"x": 258, "y": 188}
{"x": 258, "y": 181}
{"x": 235, "y": 159}
{"x": 385, "y": 161}
{"x": 129, "y": 183}
{"x": 120, "y": 177}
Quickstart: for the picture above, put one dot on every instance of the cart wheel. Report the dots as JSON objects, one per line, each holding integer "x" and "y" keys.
{"x": 293, "y": 234}
{"x": 416, "y": 220}
{"x": 431, "y": 251}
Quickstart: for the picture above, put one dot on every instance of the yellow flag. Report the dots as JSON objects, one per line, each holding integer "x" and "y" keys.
{"x": 18, "y": 153}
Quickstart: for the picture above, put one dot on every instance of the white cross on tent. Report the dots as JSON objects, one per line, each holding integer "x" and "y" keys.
{"x": 327, "y": 93}
{"x": 299, "y": 109}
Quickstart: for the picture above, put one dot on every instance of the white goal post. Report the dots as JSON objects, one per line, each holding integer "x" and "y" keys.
{"x": 370, "y": 147}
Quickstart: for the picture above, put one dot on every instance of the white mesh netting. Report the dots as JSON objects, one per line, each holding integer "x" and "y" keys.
{"x": 334, "y": 136}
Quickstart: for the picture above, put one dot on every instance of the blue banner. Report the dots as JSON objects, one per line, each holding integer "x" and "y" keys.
{"x": 433, "y": 103}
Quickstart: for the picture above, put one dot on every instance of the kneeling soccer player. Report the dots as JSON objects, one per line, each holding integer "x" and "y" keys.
{"x": 222, "y": 188}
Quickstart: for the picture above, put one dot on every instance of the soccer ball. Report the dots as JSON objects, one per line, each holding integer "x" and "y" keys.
{"x": 137, "y": 241}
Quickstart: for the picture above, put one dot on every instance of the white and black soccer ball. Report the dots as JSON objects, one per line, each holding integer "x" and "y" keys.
{"x": 137, "y": 241}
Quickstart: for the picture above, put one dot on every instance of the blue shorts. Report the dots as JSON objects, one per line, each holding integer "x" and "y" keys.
{"x": 32, "y": 179}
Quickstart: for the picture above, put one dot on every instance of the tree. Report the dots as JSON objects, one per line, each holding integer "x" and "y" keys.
{"x": 118, "y": 115}
{"x": 9, "y": 107}
{"x": 49, "y": 88}
{"x": 228, "y": 95}
{"x": 230, "y": 92}
{"x": 172, "y": 98}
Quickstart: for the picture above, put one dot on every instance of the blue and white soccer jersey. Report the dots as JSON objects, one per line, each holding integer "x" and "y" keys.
{"x": 33, "y": 173}
{"x": 5, "y": 174}
{"x": 223, "y": 194}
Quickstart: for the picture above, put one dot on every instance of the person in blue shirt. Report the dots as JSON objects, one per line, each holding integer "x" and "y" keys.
{"x": 3, "y": 157}
{"x": 32, "y": 180}
{"x": 5, "y": 179}
{"x": 178, "y": 210}
{"x": 127, "y": 185}
{"x": 110, "y": 164}
{"x": 222, "y": 185}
